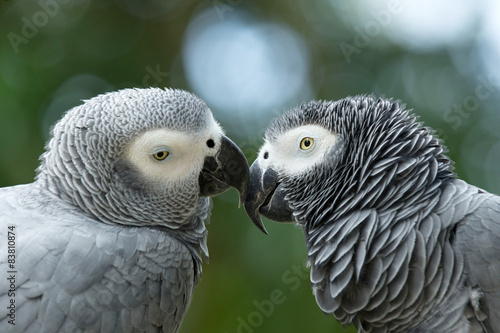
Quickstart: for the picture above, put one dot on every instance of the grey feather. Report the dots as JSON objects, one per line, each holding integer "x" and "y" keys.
{"x": 98, "y": 248}
{"x": 396, "y": 242}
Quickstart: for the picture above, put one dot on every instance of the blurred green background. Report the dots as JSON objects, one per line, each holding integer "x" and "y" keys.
{"x": 250, "y": 60}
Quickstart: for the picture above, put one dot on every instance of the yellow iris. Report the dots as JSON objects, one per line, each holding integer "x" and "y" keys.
{"x": 161, "y": 155}
{"x": 306, "y": 143}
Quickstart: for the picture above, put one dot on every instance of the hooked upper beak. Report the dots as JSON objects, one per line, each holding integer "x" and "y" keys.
{"x": 267, "y": 197}
{"x": 228, "y": 168}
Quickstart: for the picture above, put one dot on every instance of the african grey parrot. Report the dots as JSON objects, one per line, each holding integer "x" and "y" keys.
{"x": 110, "y": 236}
{"x": 396, "y": 243}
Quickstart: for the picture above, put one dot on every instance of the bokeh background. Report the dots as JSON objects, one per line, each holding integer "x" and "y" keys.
{"x": 250, "y": 60}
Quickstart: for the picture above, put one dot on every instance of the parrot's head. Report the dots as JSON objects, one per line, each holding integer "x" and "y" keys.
{"x": 142, "y": 157}
{"x": 324, "y": 158}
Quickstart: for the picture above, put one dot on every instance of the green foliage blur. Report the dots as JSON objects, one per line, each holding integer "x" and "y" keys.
{"x": 52, "y": 57}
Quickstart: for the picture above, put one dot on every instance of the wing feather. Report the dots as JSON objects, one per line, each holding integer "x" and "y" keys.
{"x": 75, "y": 273}
{"x": 478, "y": 236}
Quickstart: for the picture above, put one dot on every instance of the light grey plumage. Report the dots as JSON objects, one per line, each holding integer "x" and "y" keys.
{"x": 110, "y": 236}
{"x": 396, "y": 243}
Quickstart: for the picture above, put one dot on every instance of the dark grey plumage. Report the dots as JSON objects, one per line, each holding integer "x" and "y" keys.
{"x": 110, "y": 237}
{"x": 396, "y": 243}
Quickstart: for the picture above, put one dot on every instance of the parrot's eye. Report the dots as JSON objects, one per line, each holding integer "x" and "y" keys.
{"x": 161, "y": 155}
{"x": 306, "y": 143}
{"x": 210, "y": 143}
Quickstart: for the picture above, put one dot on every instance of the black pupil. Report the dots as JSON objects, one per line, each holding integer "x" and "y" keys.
{"x": 210, "y": 143}
{"x": 266, "y": 155}
{"x": 307, "y": 143}
{"x": 160, "y": 154}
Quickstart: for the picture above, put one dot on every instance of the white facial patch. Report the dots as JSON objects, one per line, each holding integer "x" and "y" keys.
{"x": 297, "y": 150}
{"x": 186, "y": 153}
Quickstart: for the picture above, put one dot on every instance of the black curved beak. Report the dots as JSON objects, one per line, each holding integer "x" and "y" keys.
{"x": 267, "y": 197}
{"x": 228, "y": 168}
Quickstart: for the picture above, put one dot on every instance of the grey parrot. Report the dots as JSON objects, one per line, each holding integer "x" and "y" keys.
{"x": 110, "y": 236}
{"x": 395, "y": 241}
